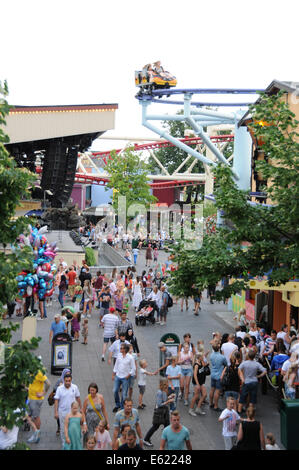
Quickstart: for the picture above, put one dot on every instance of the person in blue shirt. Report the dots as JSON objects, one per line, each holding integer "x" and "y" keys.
{"x": 173, "y": 374}
{"x": 57, "y": 326}
{"x": 278, "y": 360}
{"x": 217, "y": 363}
{"x": 175, "y": 435}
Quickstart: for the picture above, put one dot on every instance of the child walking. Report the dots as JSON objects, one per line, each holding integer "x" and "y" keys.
{"x": 76, "y": 325}
{"x": 142, "y": 381}
{"x": 102, "y": 436}
{"x": 84, "y": 331}
{"x": 72, "y": 428}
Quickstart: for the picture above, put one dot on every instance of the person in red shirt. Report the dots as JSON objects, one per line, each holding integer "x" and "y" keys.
{"x": 71, "y": 276}
{"x": 98, "y": 284}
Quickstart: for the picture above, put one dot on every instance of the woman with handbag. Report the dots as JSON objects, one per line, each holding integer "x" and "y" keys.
{"x": 93, "y": 410}
{"x": 161, "y": 411}
{"x": 200, "y": 371}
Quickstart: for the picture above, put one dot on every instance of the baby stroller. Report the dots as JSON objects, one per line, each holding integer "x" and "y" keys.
{"x": 146, "y": 312}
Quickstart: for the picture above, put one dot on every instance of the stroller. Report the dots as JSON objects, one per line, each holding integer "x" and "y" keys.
{"x": 146, "y": 312}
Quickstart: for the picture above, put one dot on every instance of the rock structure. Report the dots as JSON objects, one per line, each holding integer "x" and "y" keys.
{"x": 63, "y": 218}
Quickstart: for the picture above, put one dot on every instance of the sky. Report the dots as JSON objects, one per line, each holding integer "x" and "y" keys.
{"x": 83, "y": 52}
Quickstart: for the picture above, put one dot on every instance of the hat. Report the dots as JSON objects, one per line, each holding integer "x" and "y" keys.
{"x": 111, "y": 309}
{"x": 160, "y": 345}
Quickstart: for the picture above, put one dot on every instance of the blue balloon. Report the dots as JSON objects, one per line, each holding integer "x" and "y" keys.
{"x": 20, "y": 278}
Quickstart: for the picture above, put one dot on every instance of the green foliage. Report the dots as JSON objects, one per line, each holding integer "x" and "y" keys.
{"x": 16, "y": 374}
{"x": 90, "y": 256}
{"x": 257, "y": 239}
{"x": 128, "y": 177}
{"x": 20, "y": 366}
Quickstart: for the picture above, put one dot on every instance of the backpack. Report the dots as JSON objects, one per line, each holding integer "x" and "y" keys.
{"x": 170, "y": 301}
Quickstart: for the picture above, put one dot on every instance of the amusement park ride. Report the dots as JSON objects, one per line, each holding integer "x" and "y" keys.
{"x": 154, "y": 84}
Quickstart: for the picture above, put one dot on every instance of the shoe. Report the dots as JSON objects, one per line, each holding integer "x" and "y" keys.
{"x": 158, "y": 323}
{"x": 199, "y": 411}
{"x": 34, "y": 439}
{"x": 139, "y": 407}
{"x": 115, "y": 409}
{"x": 191, "y": 412}
{"x": 88, "y": 316}
{"x": 217, "y": 409}
{"x": 143, "y": 405}
{"x": 211, "y": 406}
{"x": 148, "y": 443}
{"x": 186, "y": 403}
{"x": 180, "y": 396}
{"x": 162, "y": 323}
{"x": 103, "y": 359}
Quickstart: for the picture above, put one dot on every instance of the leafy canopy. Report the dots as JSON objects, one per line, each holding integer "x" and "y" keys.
{"x": 256, "y": 239}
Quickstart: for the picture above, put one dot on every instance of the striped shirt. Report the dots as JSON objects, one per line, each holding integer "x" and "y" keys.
{"x": 110, "y": 322}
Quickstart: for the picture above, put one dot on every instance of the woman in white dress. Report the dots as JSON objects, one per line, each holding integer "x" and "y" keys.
{"x": 137, "y": 292}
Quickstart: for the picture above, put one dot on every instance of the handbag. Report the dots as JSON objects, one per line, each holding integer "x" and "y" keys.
{"x": 161, "y": 415}
{"x": 207, "y": 370}
{"x": 51, "y": 400}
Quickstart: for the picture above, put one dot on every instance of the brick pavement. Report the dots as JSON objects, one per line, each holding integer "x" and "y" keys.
{"x": 87, "y": 367}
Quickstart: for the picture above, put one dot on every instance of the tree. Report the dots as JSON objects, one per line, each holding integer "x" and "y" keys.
{"x": 128, "y": 177}
{"x": 19, "y": 366}
{"x": 257, "y": 239}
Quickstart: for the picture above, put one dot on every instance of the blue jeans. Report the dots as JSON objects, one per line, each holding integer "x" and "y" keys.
{"x": 60, "y": 298}
{"x": 176, "y": 390}
{"x": 124, "y": 393}
{"x": 135, "y": 258}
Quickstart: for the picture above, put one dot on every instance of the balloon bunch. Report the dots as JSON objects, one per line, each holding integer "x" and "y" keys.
{"x": 39, "y": 282}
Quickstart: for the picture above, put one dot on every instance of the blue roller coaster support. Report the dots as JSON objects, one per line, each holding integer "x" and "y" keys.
{"x": 201, "y": 117}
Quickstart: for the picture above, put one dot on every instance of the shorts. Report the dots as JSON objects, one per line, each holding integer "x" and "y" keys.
{"x": 112, "y": 339}
{"x": 197, "y": 300}
{"x": 131, "y": 381}
{"x": 35, "y": 408}
{"x": 186, "y": 372}
{"x": 141, "y": 389}
{"x": 216, "y": 383}
{"x": 163, "y": 311}
{"x": 251, "y": 390}
{"x": 103, "y": 311}
{"x": 232, "y": 394}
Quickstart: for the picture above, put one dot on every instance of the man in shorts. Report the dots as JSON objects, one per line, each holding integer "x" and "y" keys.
{"x": 36, "y": 394}
{"x": 109, "y": 322}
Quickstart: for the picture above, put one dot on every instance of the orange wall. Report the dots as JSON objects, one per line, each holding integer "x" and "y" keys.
{"x": 279, "y": 311}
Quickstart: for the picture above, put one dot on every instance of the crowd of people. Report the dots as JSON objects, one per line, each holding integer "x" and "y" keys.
{"x": 236, "y": 363}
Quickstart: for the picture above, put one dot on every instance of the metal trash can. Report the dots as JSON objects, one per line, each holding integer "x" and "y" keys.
{"x": 289, "y": 419}
{"x": 172, "y": 342}
{"x": 61, "y": 355}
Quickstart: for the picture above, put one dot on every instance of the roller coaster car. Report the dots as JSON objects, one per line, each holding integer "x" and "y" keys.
{"x": 148, "y": 81}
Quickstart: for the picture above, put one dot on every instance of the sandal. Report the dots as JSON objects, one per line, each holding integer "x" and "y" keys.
{"x": 58, "y": 432}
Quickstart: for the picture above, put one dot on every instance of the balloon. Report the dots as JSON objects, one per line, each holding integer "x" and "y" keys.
{"x": 37, "y": 242}
{"x": 20, "y": 278}
{"x": 49, "y": 293}
{"x": 46, "y": 267}
{"x": 43, "y": 229}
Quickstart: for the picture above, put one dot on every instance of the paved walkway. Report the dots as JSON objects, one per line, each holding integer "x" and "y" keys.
{"x": 87, "y": 367}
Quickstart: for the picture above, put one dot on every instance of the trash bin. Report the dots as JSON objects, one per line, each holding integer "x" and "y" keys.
{"x": 172, "y": 342}
{"x": 61, "y": 356}
{"x": 289, "y": 419}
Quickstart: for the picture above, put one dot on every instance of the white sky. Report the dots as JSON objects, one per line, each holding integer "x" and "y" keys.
{"x": 77, "y": 52}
